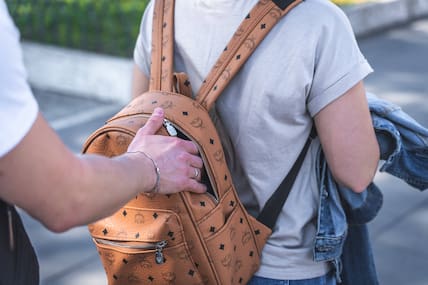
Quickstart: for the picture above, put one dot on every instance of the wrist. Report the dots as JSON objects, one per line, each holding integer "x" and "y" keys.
{"x": 156, "y": 181}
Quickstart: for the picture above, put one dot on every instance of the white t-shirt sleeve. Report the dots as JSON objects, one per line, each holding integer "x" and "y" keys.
{"x": 142, "y": 48}
{"x": 18, "y": 107}
{"x": 339, "y": 64}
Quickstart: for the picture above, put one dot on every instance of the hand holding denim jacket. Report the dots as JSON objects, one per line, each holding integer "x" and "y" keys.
{"x": 403, "y": 142}
{"x": 342, "y": 235}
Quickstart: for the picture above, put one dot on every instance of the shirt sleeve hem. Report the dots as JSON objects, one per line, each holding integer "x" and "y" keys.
{"x": 25, "y": 124}
{"x": 339, "y": 88}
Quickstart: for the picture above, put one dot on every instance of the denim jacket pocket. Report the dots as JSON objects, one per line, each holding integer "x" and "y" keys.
{"x": 328, "y": 248}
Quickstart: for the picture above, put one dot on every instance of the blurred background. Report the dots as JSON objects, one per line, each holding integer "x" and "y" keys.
{"x": 78, "y": 54}
{"x": 102, "y": 26}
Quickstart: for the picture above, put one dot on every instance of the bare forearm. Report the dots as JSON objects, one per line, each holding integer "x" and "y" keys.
{"x": 355, "y": 165}
{"x": 348, "y": 139}
{"x": 101, "y": 186}
{"x": 63, "y": 190}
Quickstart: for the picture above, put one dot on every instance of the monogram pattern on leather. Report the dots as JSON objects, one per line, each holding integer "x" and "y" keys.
{"x": 245, "y": 36}
{"x": 226, "y": 75}
{"x": 121, "y": 140}
{"x": 184, "y": 114}
{"x": 197, "y": 123}
{"x": 275, "y": 13}
{"x": 110, "y": 258}
{"x": 250, "y": 44}
{"x": 219, "y": 156}
{"x": 165, "y": 40}
{"x": 263, "y": 2}
{"x": 165, "y": 74}
{"x": 208, "y": 240}
{"x": 139, "y": 218}
{"x": 167, "y": 104}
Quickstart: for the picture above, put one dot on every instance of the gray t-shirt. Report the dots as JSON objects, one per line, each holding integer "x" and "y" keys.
{"x": 308, "y": 60}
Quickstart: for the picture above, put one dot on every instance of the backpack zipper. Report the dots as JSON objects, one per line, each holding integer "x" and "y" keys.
{"x": 158, "y": 246}
{"x": 172, "y": 131}
{"x": 170, "y": 128}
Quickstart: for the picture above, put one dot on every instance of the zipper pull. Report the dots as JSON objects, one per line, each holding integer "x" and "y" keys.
{"x": 11, "y": 234}
{"x": 159, "y": 255}
{"x": 170, "y": 128}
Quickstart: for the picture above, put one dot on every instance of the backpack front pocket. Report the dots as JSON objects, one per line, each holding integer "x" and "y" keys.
{"x": 147, "y": 262}
{"x": 139, "y": 246}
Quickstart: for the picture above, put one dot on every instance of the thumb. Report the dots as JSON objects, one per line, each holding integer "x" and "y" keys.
{"x": 154, "y": 123}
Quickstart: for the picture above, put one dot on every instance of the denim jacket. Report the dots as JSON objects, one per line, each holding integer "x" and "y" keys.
{"x": 342, "y": 235}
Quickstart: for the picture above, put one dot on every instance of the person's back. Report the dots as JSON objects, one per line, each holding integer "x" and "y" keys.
{"x": 307, "y": 62}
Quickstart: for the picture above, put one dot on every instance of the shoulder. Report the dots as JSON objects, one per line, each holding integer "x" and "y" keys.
{"x": 7, "y": 27}
{"x": 316, "y": 26}
{"x": 318, "y": 17}
{"x": 16, "y": 100}
{"x": 320, "y": 11}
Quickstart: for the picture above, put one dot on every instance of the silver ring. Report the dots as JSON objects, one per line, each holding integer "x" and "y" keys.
{"x": 196, "y": 173}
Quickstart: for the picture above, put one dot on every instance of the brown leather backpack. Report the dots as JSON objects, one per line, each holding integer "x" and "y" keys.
{"x": 184, "y": 238}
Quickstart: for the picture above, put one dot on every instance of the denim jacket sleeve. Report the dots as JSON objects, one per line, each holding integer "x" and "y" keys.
{"x": 403, "y": 142}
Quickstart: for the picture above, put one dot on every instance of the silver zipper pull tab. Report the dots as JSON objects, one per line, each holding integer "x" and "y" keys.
{"x": 159, "y": 255}
{"x": 170, "y": 128}
{"x": 11, "y": 234}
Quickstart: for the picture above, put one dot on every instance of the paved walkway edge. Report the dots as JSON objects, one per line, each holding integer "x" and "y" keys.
{"x": 73, "y": 72}
{"x": 378, "y": 15}
{"x": 108, "y": 78}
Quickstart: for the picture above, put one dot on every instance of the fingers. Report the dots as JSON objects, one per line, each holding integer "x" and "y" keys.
{"x": 178, "y": 160}
{"x": 190, "y": 147}
{"x": 154, "y": 123}
{"x": 195, "y": 173}
{"x": 195, "y": 161}
{"x": 196, "y": 187}
{"x": 189, "y": 182}
{"x": 194, "y": 182}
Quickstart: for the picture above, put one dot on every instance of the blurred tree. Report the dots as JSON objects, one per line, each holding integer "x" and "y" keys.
{"x": 103, "y": 26}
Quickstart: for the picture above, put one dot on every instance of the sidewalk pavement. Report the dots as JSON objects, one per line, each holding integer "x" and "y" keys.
{"x": 108, "y": 78}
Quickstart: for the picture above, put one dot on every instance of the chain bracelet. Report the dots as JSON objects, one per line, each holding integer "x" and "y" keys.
{"x": 155, "y": 188}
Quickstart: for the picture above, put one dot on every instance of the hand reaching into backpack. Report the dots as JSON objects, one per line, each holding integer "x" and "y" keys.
{"x": 174, "y": 162}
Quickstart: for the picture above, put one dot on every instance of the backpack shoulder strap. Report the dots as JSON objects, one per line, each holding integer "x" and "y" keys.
{"x": 162, "y": 62}
{"x": 253, "y": 29}
{"x": 270, "y": 212}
